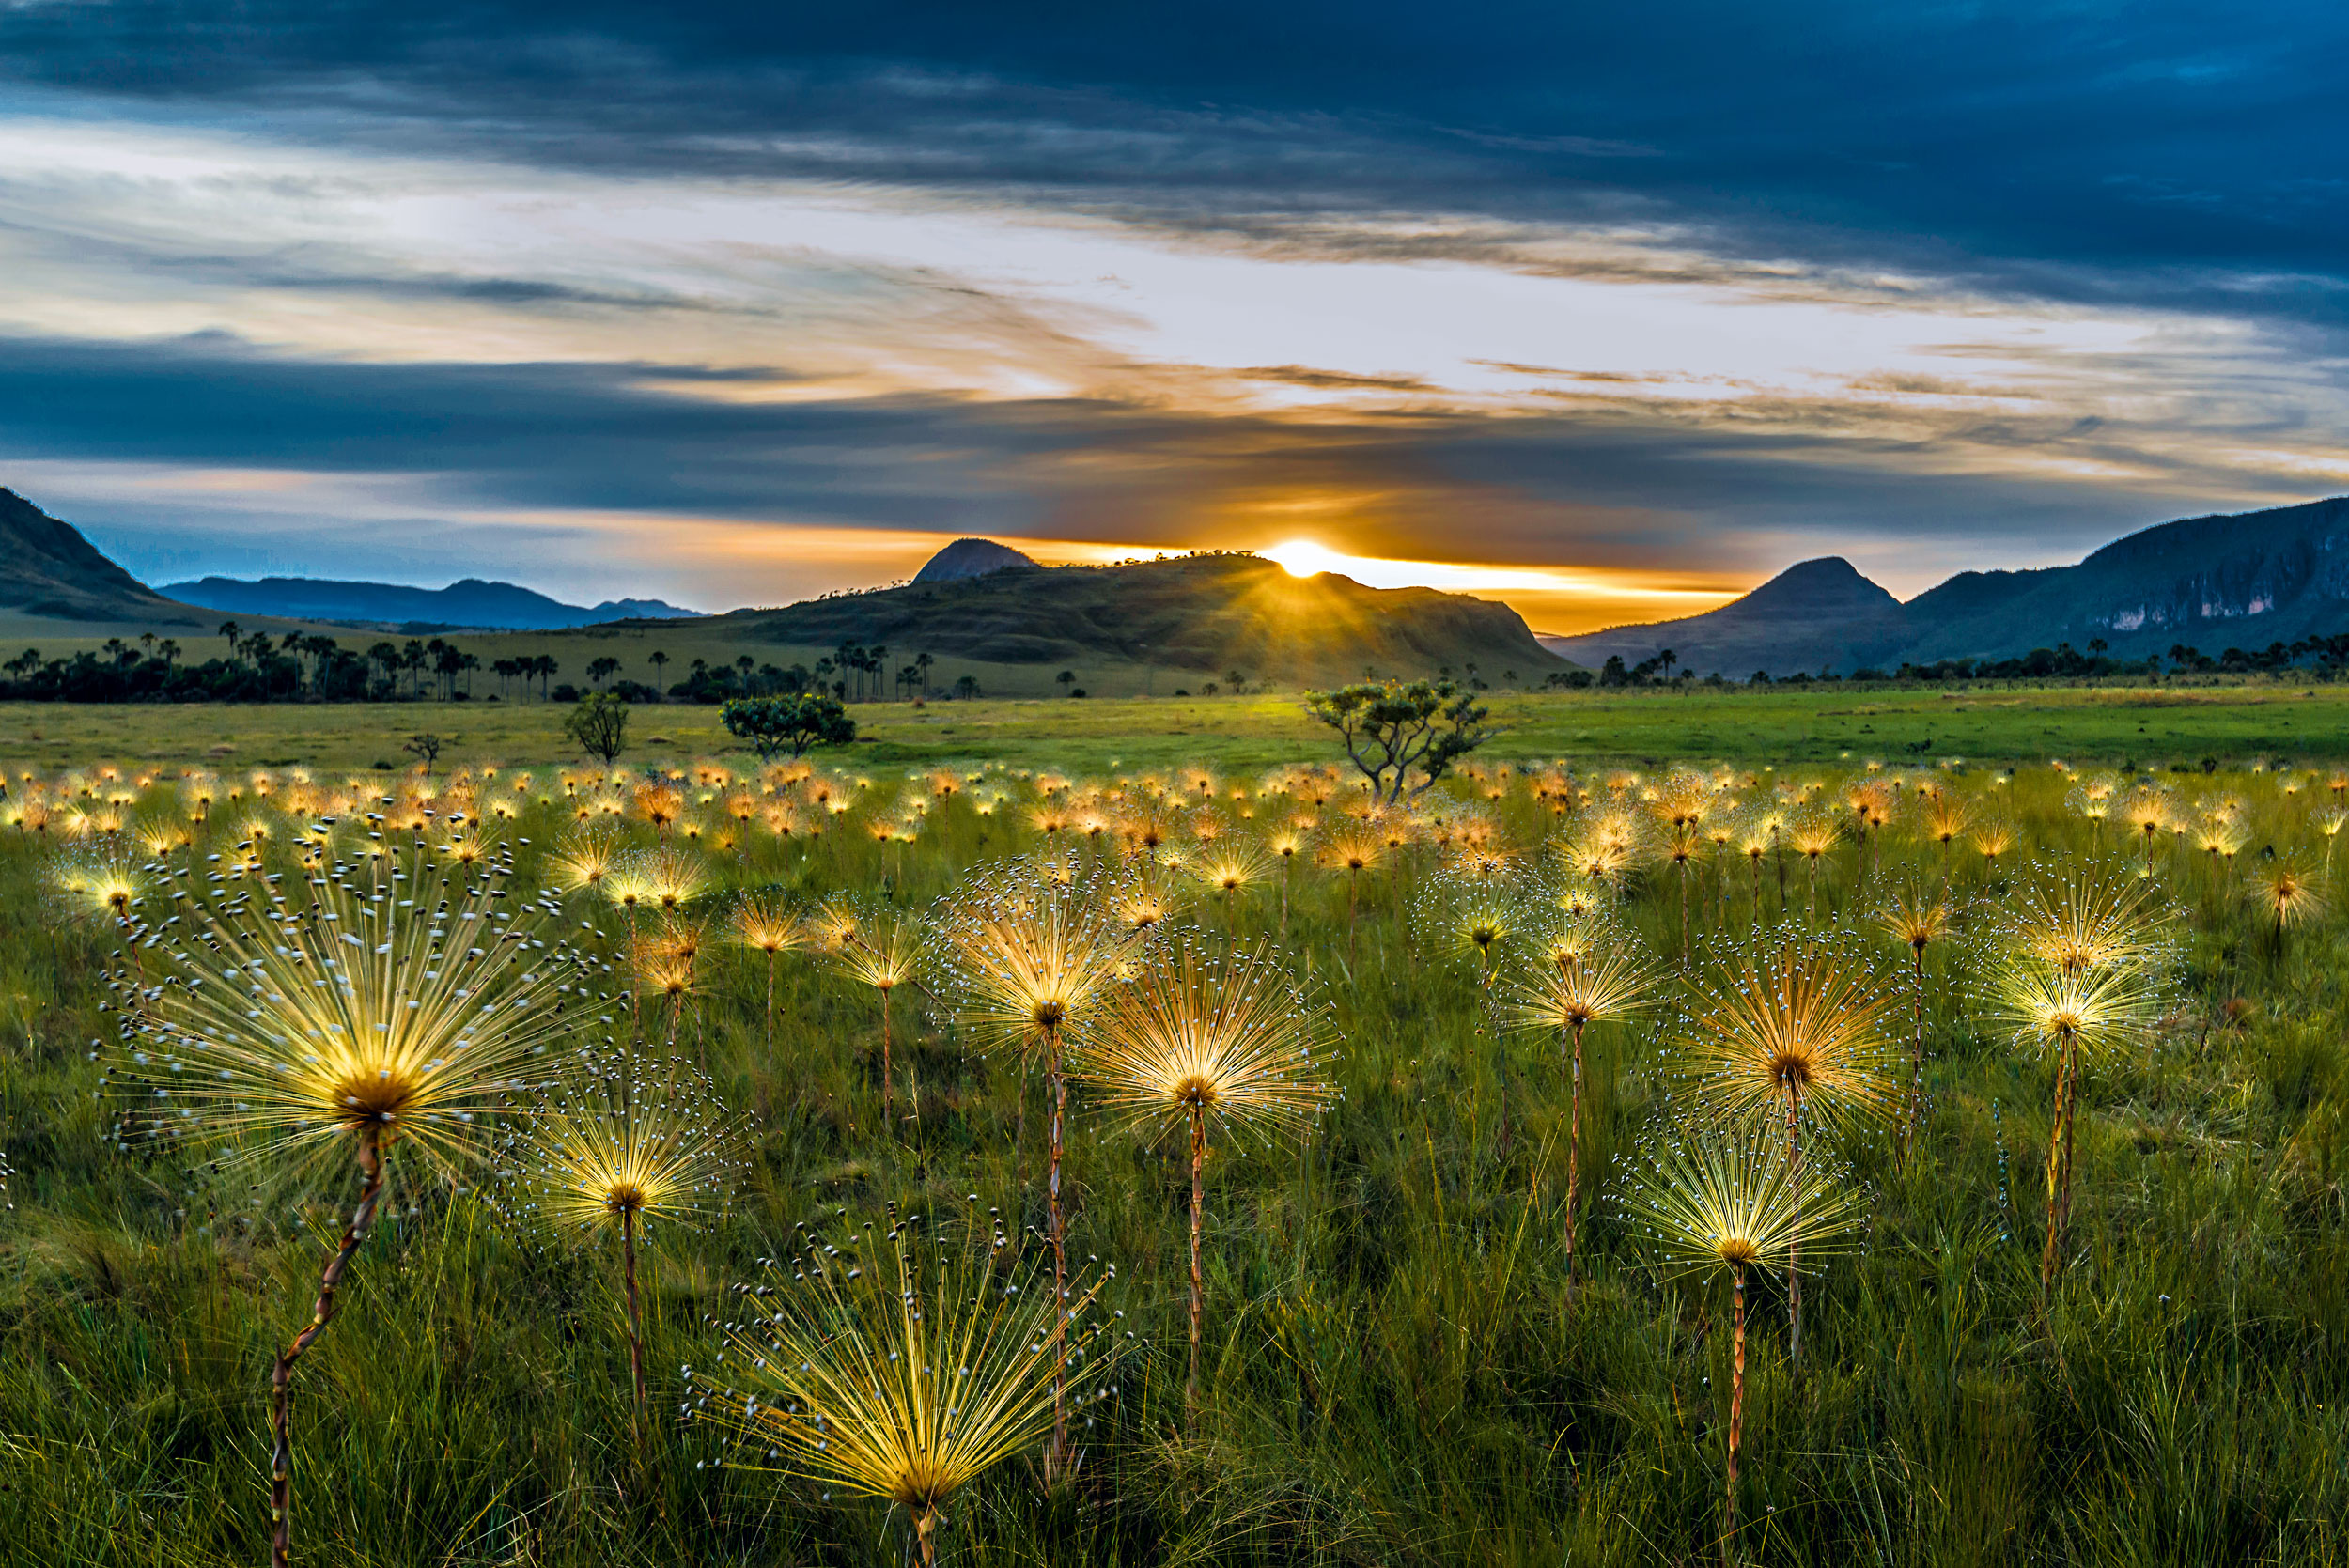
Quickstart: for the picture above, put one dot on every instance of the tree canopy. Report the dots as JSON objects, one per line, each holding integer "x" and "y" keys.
{"x": 1393, "y": 730}
{"x": 789, "y": 723}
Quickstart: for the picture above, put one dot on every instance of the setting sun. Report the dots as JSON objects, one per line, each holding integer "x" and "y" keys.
{"x": 1304, "y": 558}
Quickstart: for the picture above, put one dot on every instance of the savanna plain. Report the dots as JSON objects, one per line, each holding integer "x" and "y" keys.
{"x": 1812, "y": 1126}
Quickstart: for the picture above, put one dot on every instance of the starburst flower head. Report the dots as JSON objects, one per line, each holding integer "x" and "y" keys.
{"x": 2098, "y": 1013}
{"x": 1233, "y": 867}
{"x": 1587, "y": 972}
{"x": 1787, "y": 1024}
{"x": 884, "y": 951}
{"x": 675, "y": 875}
{"x": 1475, "y": 916}
{"x": 611, "y": 1141}
{"x": 2287, "y": 890}
{"x": 766, "y": 923}
{"x": 98, "y": 884}
{"x": 1916, "y": 916}
{"x": 1991, "y": 838}
{"x": 401, "y": 1009}
{"x": 1143, "y": 896}
{"x": 1231, "y": 1039}
{"x": 899, "y": 1367}
{"x": 1027, "y": 956}
{"x": 1813, "y": 834}
{"x": 1721, "y": 1199}
{"x": 2085, "y": 914}
{"x": 585, "y": 860}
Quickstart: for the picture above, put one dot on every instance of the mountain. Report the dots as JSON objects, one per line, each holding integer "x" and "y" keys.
{"x": 1814, "y": 615}
{"x": 2244, "y": 580}
{"x": 1210, "y": 613}
{"x": 2241, "y": 580}
{"x": 970, "y": 558}
{"x": 48, "y": 568}
{"x": 471, "y": 603}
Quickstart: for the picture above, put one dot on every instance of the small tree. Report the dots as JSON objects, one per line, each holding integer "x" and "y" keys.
{"x": 787, "y": 723}
{"x": 424, "y": 747}
{"x": 599, "y": 724}
{"x": 1391, "y": 730}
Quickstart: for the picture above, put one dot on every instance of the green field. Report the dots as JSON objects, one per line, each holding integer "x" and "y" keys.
{"x": 2236, "y": 724}
{"x": 1400, "y": 1365}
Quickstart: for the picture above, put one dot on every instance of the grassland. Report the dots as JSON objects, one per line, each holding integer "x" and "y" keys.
{"x": 2236, "y": 724}
{"x": 1398, "y": 1370}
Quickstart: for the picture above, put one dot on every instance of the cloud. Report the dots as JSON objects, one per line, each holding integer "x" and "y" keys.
{"x": 2151, "y": 153}
{"x": 1684, "y": 289}
{"x": 535, "y": 470}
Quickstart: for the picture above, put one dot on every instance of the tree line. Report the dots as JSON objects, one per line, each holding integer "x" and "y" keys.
{"x": 301, "y": 667}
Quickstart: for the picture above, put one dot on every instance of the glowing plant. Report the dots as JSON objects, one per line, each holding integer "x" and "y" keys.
{"x": 903, "y": 1367}
{"x": 616, "y": 1147}
{"x": 1586, "y": 974}
{"x": 765, "y": 923}
{"x": 343, "y": 1017}
{"x": 1030, "y": 957}
{"x": 1786, "y": 1029}
{"x": 1917, "y": 919}
{"x": 2078, "y": 1015}
{"x": 1198, "y": 1039}
{"x": 884, "y": 954}
{"x": 1727, "y": 1201}
{"x": 2287, "y": 892}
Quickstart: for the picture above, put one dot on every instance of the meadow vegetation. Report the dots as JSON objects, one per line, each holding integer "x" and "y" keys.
{"x": 927, "y": 1154}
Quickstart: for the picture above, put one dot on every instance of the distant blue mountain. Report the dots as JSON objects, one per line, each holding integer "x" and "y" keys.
{"x": 472, "y": 603}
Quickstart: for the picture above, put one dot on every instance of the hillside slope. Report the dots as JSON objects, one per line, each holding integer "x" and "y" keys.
{"x": 971, "y": 558}
{"x": 48, "y": 568}
{"x": 1208, "y": 613}
{"x": 2244, "y": 579}
{"x": 1814, "y": 615}
{"x": 467, "y": 603}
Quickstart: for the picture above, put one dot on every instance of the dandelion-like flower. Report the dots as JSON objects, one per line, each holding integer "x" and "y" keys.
{"x": 2085, "y": 914}
{"x": 1030, "y": 957}
{"x": 1584, "y": 973}
{"x": 373, "y": 1014}
{"x": 615, "y": 1147}
{"x": 1784, "y": 1030}
{"x": 885, "y": 952}
{"x": 2078, "y": 1015}
{"x": 901, "y": 1368}
{"x": 1198, "y": 1039}
{"x": 1725, "y": 1201}
{"x": 2287, "y": 891}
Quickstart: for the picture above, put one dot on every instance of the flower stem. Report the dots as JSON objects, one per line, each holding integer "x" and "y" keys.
{"x": 281, "y": 1377}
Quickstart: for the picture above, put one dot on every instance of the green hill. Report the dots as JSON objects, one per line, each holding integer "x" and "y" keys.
{"x": 48, "y": 569}
{"x": 1211, "y": 612}
{"x": 2245, "y": 581}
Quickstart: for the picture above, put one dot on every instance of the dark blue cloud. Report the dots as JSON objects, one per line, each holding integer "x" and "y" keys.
{"x": 1590, "y": 485}
{"x": 2168, "y": 154}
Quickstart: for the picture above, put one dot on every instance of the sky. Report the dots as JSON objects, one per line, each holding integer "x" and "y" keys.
{"x": 1607, "y": 310}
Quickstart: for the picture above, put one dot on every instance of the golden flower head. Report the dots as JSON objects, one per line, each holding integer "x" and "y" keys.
{"x": 1228, "y": 1039}
{"x": 1721, "y": 1199}
{"x": 610, "y": 1142}
{"x": 405, "y": 1002}
{"x": 1785, "y": 1025}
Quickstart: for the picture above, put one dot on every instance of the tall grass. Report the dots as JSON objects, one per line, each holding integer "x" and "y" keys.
{"x": 1395, "y": 1370}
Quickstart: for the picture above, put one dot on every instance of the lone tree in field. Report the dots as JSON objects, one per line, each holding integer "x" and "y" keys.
{"x": 787, "y": 723}
{"x": 1392, "y": 730}
{"x": 424, "y": 747}
{"x": 599, "y": 724}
